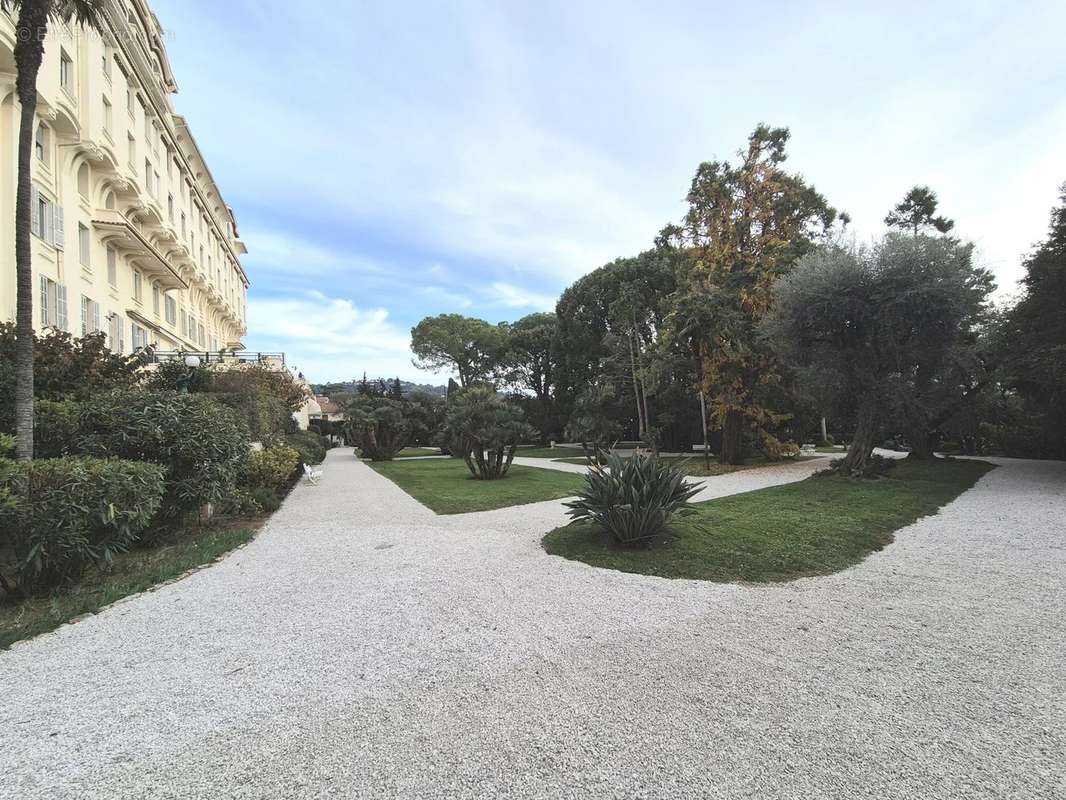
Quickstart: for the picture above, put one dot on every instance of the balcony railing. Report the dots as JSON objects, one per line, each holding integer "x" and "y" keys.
{"x": 217, "y": 357}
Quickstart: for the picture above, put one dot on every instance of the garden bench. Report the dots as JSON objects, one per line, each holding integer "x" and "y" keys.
{"x": 312, "y": 475}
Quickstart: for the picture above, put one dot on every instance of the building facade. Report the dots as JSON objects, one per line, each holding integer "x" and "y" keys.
{"x": 131, "y": 235}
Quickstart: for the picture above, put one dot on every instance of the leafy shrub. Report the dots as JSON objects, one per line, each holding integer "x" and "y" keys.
{"x": 485, "y": 430}
{"x": 7, "y": 445}
{"x": 378, "y": 426}
{"x": 310, "y": 445}
{"x": 591, "y": 424}
{"x": 64, "y": 367}
{"x": 278, "y": 383}
{"x": 168, "y": 375}
{"x": 272, "y": 467}
{"x": 55, "y": 428}
{"x": 776, "y": 450}
{"x": 266, "y": 417}
{"x": 201, "y": 445}
{"x": 265, "y": 499}
{"x": 876, "y": 466}
{"x": 75, "y": 512}
{"x": 632, "y": 499}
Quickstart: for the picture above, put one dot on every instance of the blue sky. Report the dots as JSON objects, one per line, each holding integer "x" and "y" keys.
{"x": 388, "y": 161}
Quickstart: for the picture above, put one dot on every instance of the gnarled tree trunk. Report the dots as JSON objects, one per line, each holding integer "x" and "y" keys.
{"x": 862, "y": 445}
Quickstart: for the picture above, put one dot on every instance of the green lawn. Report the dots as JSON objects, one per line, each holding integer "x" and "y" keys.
{"x": 814, "y": 527}
{"x": 559, "y": 453}
{"x": 697, "y": 468}
{"x": 418, "y": 452}
{"x": 132, "y": 572}
{"x": 446, "y": 486}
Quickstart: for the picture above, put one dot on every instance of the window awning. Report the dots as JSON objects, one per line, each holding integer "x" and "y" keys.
{"x": 122, "y": 235}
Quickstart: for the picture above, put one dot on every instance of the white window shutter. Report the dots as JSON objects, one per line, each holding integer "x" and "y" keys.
{"x": 58, "y": 232}
{"x": 61, "y": 307}
{"x": 44, "y": 302}
{"x": 96, "y": 317}
{"x": 47, "y": 221}
{"x": 35, "y": 216}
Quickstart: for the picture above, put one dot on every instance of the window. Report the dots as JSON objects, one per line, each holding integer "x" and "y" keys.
{"x": 42, "y": 144}
{"x": 184, "y": 323}
{"x": 140, "y": 337}
{"x": 83, "y": 180}
{"x": 156, "y": 184}
{"x": 112, "y": 266}
{"x": 170, "y": 207}
{"x": 155, "y": 299}
{"x": 130, "y": 96}
{"x": 148, "y": 176}
{"x": 183, "y": 225}
{"x": 53, "y": 304}
{"x": 83, "y": 245}
{"x": 105, "y": 62}
{"x": 107, "y": 116}
{"x": 66, "y": 72}
{"x": 170, "y": 310}
{"x": 115, "y": 334}
{"x": 138, "y": 289}
{"x": 41, "y": 215}
{"x": 131, "y": 144}
{"x": 90, "y": 316}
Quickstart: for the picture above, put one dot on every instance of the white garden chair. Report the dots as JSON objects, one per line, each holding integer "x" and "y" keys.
{"x": 312, "y": 475}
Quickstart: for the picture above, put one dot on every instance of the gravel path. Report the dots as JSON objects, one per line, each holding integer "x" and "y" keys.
{"x": 363, "y": 647}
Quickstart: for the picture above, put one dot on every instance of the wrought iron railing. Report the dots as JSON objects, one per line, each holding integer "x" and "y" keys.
{"x": 215, "y": 356}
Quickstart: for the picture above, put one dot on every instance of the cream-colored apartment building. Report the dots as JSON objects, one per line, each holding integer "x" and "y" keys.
{"x": 131, "y": 235}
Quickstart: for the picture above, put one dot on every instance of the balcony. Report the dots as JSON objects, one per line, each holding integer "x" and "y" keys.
{"x": 117, "y": 231}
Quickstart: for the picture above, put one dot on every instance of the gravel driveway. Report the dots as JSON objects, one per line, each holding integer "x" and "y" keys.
{"x": 363, "y": 647}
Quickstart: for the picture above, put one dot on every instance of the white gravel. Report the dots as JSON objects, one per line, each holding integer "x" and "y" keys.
{"x": 363, "y": 647}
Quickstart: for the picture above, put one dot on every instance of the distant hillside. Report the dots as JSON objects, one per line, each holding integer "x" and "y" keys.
{"x": 351, "y": 387}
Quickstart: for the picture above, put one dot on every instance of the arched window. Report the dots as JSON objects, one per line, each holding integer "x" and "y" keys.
{"x": 109, "y": 202}
{"x": 83, "y": 180}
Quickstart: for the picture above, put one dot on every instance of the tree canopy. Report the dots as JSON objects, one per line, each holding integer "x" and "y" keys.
{"x": 471, "y": 347}
{"x": 916, "y": 212}
{"x": 745, "y": 227}
{"x": 875, "y": 326}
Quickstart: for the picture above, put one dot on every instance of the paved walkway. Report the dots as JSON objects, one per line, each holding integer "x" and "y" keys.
{"x": 363, "y": 647}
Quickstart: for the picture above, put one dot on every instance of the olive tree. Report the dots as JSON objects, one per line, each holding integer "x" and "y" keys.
{"x": 874, "y": 327}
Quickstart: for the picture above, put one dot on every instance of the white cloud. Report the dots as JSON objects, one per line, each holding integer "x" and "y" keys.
{"x": 507, "y": 294}
{"x": 329, "y": 338}
{"x": 283, "y": 253}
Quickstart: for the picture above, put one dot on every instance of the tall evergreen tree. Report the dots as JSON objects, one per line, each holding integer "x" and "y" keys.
{"x": 745, "y": 227}
{"x": 1035, "y": 333}
{"x": 917, "y": 213}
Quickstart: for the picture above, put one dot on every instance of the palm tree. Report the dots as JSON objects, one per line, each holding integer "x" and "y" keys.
{"x": 31, "y": 28}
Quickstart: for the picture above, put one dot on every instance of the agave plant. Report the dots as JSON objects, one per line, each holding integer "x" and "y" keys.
{"x": 632, "y": 499}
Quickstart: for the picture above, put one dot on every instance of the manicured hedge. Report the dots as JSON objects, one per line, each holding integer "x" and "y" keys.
{"x": 266, "y": 417}
{"x": 70, "y": 513}
{"x": 273, "y": 467}
{"x": 201, "y": 444}
{"x": 311, "y": 446}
